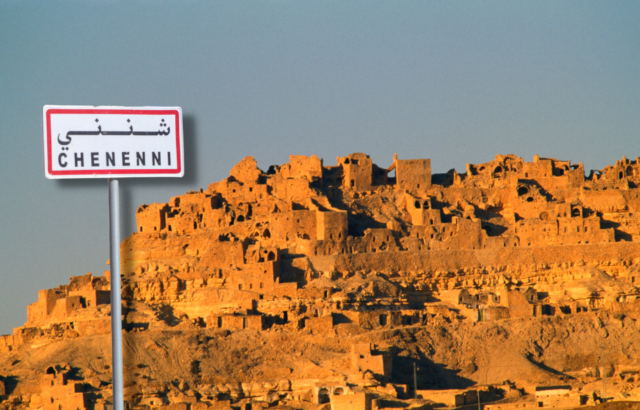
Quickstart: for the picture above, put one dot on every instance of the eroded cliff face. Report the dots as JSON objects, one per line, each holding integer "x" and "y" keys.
{"x": 307, "y": 282}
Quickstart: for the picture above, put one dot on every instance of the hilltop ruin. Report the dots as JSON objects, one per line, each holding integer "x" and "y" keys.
{"x": 310, "y": 284}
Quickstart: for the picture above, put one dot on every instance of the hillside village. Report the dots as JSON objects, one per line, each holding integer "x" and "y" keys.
{"x": 357, "y": 286}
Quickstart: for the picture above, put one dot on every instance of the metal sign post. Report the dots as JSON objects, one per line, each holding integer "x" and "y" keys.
{"x": 113, "y": 142}
{"x": 116, "y": 304}
{"x": 415, "y": 381}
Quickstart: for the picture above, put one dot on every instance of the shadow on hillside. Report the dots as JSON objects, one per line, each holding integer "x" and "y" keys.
{"x": 10, "y": 384}
{"x": 430, "y": 375}
{"x": 166, "y": 314}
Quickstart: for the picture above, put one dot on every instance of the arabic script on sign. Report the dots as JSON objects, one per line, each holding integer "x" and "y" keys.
{"x": 84, "y": 142}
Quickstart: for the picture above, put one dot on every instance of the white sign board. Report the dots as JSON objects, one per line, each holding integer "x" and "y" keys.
{"x": 112, "y": 142}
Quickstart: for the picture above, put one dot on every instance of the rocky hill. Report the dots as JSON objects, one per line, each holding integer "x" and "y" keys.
{"x": 308, "y": 284}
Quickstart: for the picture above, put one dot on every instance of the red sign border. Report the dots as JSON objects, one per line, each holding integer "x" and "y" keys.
{"x": 51, "y": 111}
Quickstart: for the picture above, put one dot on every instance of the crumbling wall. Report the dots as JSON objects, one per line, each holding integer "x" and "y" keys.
{"x": 412, "y": 174}
{"x": 357, "y": 171}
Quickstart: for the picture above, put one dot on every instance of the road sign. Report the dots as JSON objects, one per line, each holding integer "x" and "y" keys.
{"x": 112, "y": 142}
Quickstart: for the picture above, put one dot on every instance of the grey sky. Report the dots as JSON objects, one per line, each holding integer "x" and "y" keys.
{"x": 454, "y": 81}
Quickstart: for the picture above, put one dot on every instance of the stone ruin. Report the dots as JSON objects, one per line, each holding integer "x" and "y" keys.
{"x": 350, "y": 250}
